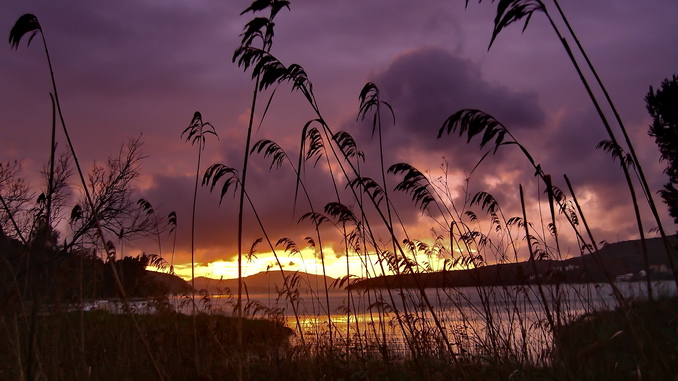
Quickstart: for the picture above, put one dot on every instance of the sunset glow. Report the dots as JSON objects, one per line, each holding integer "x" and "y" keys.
{"x": 334, "y": 267}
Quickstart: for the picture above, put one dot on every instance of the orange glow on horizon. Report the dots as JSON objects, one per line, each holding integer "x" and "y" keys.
{"x": 335, "y": 267}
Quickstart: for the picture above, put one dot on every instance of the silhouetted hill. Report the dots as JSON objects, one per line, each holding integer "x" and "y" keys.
{"x": 627, "y": 257}
{"x": 174, "y": 284}
{"x": 263, "y": 282}
{"x": 617, "y": 259}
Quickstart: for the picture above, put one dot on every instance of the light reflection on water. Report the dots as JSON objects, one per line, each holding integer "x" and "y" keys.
{"x": 480, "y": 320}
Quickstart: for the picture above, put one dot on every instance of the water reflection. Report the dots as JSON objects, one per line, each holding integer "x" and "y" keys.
{"x": 515, "y": 320}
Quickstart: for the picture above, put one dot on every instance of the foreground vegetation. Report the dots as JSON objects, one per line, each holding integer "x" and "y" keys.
{"x": 98, "y": 345}
{"x": 638, "y": 343}
{"x": 102, "y": 346}
{"x": 495, "y": 331}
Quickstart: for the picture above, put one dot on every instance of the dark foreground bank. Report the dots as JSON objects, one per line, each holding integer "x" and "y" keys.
{"x": 97, "y": 345}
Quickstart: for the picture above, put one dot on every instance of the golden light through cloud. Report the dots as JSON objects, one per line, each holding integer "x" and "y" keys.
{"x": 335, "y": 266}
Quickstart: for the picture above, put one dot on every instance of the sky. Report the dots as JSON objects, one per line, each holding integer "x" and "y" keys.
{"x": 126, "y": 69}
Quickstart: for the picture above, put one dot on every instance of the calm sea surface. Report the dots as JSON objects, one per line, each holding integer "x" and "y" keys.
{"x": 470, "y": 317}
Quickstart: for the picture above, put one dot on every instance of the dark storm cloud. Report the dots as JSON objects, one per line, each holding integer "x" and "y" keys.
{"x": 428, "y": 85}
{"x": 424, "y": 87}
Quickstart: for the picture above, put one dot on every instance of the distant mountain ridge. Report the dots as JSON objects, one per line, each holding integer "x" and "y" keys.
{"x": 617, "y": 259}
{"x": 264, "y": 282}
{"x": 621, "y": 259}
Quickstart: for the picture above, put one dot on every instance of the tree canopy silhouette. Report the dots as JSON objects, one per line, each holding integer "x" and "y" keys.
{"x": 662, "y": 105}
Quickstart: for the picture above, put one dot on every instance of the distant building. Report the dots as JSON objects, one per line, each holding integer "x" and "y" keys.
{"x": 661, "y": 268}
{"x": 625, "y": 277}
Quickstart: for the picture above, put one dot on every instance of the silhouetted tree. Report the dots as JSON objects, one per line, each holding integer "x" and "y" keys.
{"x": 663, "y": 107}
{"x": 113, "y": 196}
{"x": 66, "y": 264}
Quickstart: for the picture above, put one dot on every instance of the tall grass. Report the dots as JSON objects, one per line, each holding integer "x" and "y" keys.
{"x": 418, "y": 321}
{"x": 196, "y": 132}
{"x": 29, "y": 23}
{"x": 511, "y": 11}
{"x": 408, "y": 316}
